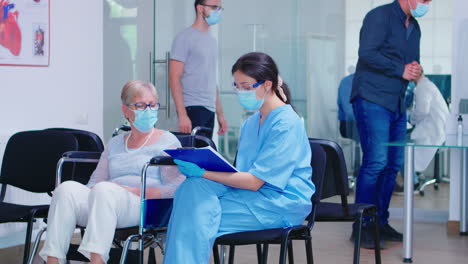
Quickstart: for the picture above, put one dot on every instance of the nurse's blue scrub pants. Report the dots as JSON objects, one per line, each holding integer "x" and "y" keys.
{"x": 204, "y": 210}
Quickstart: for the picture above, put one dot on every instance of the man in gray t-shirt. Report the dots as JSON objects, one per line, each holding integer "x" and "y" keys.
{"x": 193, "y": 71}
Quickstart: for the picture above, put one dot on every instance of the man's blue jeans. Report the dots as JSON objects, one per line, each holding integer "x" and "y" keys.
{"x": 380, "y": 163}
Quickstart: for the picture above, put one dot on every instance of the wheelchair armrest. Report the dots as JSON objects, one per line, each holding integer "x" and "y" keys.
{"x": 75, "y": 156}
{"x": 162, "y": 161}
{"x": 82, "y": 155}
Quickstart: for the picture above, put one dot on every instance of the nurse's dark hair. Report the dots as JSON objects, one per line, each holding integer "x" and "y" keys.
{"x": 262, "y": 67}
{"x": 198, "y": 2}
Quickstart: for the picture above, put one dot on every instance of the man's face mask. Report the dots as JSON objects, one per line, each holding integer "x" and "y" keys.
{"x": 420, "y": 10}
{"x": 214, "y": 18}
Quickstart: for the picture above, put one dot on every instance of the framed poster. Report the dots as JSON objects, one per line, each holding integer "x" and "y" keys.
{"x": 25, "y": 32}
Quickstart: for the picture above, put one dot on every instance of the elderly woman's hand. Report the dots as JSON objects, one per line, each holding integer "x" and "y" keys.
{"x": 189, "y": 169}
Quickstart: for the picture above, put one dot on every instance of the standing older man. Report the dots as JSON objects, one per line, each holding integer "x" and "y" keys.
{"x": 193, "y": 71}
{"x": 388, "y": 59}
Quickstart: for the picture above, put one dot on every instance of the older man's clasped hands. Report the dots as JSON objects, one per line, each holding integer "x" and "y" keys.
{"x": 412, "y": 71}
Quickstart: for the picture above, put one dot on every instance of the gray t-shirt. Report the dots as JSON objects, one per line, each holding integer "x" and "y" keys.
{"x": 199, "y": 53}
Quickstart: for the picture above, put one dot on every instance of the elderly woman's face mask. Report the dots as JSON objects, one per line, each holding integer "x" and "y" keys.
{"x": 145, "y": 111}
{"x": 145, "y": 119}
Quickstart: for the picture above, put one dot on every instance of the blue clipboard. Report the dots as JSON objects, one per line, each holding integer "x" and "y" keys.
{"x": 207, "y": 158}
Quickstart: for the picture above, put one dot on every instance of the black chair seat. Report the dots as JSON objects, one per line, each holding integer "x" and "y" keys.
{"x": 18, "y": 213}
{"x": 336, "y": 185}
{"x": 268, "y": 236}
{"x": 334, "y": 212}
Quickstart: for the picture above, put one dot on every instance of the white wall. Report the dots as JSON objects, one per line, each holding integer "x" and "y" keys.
{"x": 68, "y": 93}
{"x": 459, "y": 90}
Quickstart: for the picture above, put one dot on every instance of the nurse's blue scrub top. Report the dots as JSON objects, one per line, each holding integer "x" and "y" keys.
{"x": 278, "y": 153}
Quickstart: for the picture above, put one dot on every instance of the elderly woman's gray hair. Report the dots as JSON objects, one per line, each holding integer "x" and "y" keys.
{"x": 133, "y": 88}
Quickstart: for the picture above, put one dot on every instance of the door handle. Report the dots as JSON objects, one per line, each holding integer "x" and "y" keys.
{"x": 168, "y": 90}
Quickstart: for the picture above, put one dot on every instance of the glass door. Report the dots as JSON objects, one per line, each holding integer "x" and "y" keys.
{"x": 305, "y": 38}
{"x": 137, "y": 40}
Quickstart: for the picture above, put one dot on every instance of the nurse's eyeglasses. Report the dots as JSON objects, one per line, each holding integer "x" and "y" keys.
{"x": 214, "y": 7}
{"x": 246, "y": 86}
{"x": 143, "y": 106}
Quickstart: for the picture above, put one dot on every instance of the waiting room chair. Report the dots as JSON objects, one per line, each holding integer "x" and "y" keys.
{"x": 282, "y": 236}
{"x": 335, "y": 183}
{"x": 29, "y": 163}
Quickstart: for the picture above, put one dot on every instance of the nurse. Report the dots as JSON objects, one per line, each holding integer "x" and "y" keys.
{"x": 273, "y": 186}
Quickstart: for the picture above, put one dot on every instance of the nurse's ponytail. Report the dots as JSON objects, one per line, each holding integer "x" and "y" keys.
{"x": 262, "y": 67}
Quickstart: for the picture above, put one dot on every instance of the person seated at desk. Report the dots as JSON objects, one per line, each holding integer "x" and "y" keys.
{"x": 111, "y": 199}
{"x": 429, "y": 116}
{"x": 273, "y": 187}
{"x": 348, "y": 127}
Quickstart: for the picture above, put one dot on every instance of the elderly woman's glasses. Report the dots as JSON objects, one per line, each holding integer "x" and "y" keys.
{"x": 143, "y": 106}
{"x": 246, "y": 86}
{"x": 214, "y": 7}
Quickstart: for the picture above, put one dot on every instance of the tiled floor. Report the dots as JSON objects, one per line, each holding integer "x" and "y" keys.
{"x": 331, "y": 242}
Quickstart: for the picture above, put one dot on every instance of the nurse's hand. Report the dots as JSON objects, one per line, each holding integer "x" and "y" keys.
{"x": 189, "y": 169}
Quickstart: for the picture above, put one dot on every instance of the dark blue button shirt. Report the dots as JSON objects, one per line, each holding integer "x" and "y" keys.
{"x": 385, "y": 46}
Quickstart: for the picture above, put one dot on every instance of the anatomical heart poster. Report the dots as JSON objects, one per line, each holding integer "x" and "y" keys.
{"x": 24, "y": 32}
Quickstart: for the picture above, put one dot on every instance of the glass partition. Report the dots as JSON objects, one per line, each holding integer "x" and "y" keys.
{"x": 305, "y": 38}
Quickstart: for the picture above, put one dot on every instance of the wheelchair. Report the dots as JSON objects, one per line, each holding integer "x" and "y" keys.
{"x": 154, "y": 213}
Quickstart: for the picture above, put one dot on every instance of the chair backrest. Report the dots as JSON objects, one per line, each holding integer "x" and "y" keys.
{"x": 318, "y": 163}
{"x": 30, "y": 159}
{"x": 87, "y": 141}
{"x": 186, "y": 139}
{"x": 336, "y": 174}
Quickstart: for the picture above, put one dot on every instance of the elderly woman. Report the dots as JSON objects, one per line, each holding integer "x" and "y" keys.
{"x": 111, "y": 198}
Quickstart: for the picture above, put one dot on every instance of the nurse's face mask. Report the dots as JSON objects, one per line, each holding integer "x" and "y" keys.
{"x": 247, "y": 95}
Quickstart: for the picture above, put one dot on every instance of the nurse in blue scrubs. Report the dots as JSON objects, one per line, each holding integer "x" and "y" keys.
{"x": 273, "y": 186}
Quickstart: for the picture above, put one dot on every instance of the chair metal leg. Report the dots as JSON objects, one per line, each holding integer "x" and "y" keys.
{"x": 223, "y": 254}
{"x": 27, "y": 242}
{"x": 126, "y": 246}
{"x": 232, "y": 250}
{"x": 284, "y": 246}
{"x": 140, "y": 256}
{"x": 36, "y": 245}
{"x": 216, "y": 254}
{"x": 378, "y": 259}
{"x": 265, "y": 254}
{"x": 283, "y": 252}
{"x": 259, "y": 253}
{"x": 290, "y": 252}
{"x": 308, "y": 248}
{"x": 357, "y": 240}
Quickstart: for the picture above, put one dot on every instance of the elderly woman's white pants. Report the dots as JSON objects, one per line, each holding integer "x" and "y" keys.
{"x": 102, "y": 209}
